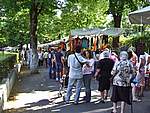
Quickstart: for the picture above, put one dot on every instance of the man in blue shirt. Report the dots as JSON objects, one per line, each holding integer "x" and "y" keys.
{"x": 59, "y": 62}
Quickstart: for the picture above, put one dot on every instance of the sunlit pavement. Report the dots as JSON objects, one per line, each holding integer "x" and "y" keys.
{"x": 38, "y": 94}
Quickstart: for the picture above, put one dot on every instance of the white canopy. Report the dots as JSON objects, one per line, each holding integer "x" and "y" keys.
{"x": 97, "y": 31}
{"x": 112, "y": 31}
{"x": 141, "y": 16}
{"x": 55, "y": 42}
{"x": 85, "y": 32}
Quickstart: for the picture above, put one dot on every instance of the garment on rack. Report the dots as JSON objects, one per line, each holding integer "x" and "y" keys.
{"x": 91, "y": 41}
{"x": 84, "y": 43}
{"x": 97, "y": 42}
{"x": 94, "y": 44}
{"x": 77, "y": 42}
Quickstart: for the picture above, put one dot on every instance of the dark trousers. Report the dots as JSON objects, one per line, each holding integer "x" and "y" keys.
{"x": 87, "y": 85}
{"x": 40, "y": 63}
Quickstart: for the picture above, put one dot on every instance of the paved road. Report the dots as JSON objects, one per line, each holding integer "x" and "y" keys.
{"x": 38, "y": 94}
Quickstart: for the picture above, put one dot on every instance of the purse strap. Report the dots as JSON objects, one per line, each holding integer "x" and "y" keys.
{"x": 77, "y": 59}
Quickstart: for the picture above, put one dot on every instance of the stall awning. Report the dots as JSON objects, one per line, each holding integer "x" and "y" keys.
{"x": 85, "y": 32}
{"x": 141, "y": 16}
{"x": 113, "y": 31}
{"x": 97, "y": 31}
{"x": 55, "y": 42}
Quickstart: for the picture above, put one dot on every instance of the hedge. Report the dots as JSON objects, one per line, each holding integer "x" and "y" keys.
{"x": 7, "y": 62}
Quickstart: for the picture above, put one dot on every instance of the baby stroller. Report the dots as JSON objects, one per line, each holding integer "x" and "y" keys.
{"x": 64, "y": 81}
{"x": 63, "y": 85}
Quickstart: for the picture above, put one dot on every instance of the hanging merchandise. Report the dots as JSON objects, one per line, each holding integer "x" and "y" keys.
{"x": 84, "y": 43}
{"x": 97, "y": 41}
{"x": 94, "y": 44}
{"x": 88, "y": 43}
{"x": 91, "y": 42}
{"x": 105, "y": 39}
{"x": 77, "y": 42}
{"x": 71, "y": 43}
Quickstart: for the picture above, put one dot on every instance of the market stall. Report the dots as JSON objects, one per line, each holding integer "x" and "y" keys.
{"x": 93, "y": 38}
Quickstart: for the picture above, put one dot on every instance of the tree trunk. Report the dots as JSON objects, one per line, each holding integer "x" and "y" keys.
{"x": 33, "y": 37}
{"x": 117, "y": 24}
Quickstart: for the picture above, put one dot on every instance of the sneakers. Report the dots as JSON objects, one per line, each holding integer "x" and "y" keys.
{"x": 102, "y": 101}
{"x": 75, "y": 103}
{"x": 105, "y": 98}
{"x": 113, "y": 112}
{"x": 66, "y": 102}
{"x": 61, "y": 80}
{"x": 136, "y": 100}
{"x": 57, "y": 79}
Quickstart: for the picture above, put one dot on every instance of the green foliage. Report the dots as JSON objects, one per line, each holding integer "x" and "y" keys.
{"x": 4, "y": 54}
{"x": 132, "y": 40}
{"x": 7, "y": 62}
{"x": 118, "y": 7}
{"x": 15, "y": 21}
{"x": 83, "y": 14}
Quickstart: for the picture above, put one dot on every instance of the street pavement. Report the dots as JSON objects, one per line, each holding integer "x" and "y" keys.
{"x": 37, "y": 93}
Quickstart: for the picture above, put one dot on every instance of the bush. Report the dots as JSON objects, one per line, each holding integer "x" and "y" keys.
{"x": 134, "y": 40}
{"x": 7, "y": 63}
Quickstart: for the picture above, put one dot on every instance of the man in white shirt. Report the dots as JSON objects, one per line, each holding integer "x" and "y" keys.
{"x": 75, "y": 74}
{"x": 45, "y": 56}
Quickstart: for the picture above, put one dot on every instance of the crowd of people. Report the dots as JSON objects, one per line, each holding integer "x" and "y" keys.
{"x": 125, "y": 73}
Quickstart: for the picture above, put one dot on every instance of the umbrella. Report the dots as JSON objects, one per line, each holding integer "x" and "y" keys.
{"x": 141, "y": 16}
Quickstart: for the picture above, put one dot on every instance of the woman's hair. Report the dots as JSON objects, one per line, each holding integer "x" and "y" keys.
{"x": 78, "y": 49}
{"x": 130, "y": 55}
{"x": 90, "y": 54}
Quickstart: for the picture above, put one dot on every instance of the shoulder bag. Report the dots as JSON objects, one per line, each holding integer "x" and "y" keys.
{"x": 78, "y": 60}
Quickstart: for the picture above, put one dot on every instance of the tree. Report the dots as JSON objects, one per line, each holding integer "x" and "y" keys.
{"x": 35, "y": 8}
{"x": 83, "y": 14}
{"x": 117, "y": 9}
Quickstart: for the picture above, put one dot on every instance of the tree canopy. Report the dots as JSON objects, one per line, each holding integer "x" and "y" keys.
{"x": 56, "y": 18}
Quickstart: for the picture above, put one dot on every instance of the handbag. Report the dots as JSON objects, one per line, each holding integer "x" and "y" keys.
{"x": 78, "y": 60}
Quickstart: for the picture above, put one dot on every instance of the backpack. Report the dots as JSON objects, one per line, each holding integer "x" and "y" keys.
{"x": 124, "y": 67}
{"x": 124, "y": 71}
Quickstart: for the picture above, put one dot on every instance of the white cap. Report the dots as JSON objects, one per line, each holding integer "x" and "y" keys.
{"x": 123, "y": 55}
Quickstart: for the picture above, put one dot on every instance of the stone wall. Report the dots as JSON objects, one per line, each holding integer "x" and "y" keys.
{"x": 7, "y": 85}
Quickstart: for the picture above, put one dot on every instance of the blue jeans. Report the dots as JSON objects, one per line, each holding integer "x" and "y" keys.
{"x": 87, "y": 85}
{"x": 50, "y": 68}
{"x": 71, "y": 83}
{"x": 59, "y": 67}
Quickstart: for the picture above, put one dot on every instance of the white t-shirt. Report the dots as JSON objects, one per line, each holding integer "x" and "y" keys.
{"x": 45, "y": 55}
{"x": 75, "y": 70}
{"x": 88, "y": 69}
{"x": 40, "y": 55}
